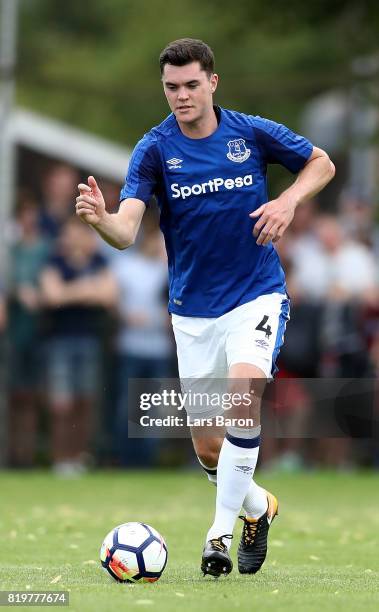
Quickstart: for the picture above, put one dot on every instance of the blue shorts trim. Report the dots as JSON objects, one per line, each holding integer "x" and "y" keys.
{"x": 283, "y": 318}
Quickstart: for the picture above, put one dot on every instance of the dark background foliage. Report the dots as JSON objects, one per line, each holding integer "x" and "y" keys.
{"x": 95, "y": 64}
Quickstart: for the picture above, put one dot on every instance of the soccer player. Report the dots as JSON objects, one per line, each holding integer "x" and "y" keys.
{"x": 207, "y": 167}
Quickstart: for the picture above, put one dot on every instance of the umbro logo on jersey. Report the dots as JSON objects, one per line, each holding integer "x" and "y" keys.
{"x": 238, "y": 151}
{"x": 174, "y": 163}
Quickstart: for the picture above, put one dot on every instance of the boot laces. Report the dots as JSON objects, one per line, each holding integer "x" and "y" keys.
{"x": 218, "y": 544}
{"x": 249, "y": 530}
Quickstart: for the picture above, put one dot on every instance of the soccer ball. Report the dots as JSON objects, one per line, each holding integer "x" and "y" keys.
{"x": 134, "y": 552}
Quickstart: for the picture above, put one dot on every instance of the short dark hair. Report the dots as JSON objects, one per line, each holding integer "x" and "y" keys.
{"x": 186, "y": 50}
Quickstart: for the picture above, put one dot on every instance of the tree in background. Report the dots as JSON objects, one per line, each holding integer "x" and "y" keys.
{"x": 96, "y": 64}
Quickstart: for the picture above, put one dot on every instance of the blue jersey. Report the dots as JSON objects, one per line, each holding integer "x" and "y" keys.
{"x": 206, "y": 189}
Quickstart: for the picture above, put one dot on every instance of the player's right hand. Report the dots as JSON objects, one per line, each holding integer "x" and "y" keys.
{"x": 90, "y": 205}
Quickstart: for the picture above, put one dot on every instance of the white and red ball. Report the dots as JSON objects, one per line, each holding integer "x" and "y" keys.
{"x": 134, "y": 552}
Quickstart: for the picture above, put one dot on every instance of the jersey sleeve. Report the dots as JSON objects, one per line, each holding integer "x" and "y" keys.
{"x": 279, "y": 145}
{"x": 143, "y": 172}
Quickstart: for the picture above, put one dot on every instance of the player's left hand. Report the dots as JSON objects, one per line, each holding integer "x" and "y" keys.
{"x": 275, "y": 217}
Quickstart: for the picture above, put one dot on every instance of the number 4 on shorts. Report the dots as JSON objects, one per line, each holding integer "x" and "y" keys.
{"x": 261, "y": 327}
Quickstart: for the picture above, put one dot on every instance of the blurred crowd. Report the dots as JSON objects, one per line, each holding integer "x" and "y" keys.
{"x": 78, "y": 319}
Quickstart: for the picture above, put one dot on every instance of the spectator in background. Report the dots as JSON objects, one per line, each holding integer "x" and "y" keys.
{"x": 28, "y": 255}
{"x": 77, "y": 288}
{"x": 58, "y": 189}
{"x": 106, "y": 442}
{"x": 337, "y": 275}
{"x": 357, "y": 219}
{"x": 289, "y": 403}
{"x": 305, "y": 256}
{"x": 3, "y": 314}
{"x": 351, "y": 276}
{"x": 350, "y": 265}
{"x": 144, "y": 343}
{"x": 351, "y": 284}
{"x": 4, "y": 436}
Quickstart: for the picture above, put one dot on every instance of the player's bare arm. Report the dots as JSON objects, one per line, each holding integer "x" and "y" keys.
{"x": 276, "y": 215}
{"x": 118, "y": 229}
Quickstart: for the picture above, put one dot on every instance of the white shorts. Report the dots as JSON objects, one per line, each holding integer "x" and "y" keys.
{"x": 252, "y": 333}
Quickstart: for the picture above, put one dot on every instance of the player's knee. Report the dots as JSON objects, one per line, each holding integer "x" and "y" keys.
{"x": 208, "y": 456}
{"x": 245, "y": 393}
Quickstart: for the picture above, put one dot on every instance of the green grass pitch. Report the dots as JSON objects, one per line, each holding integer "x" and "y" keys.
{"x": 323, "y": 553}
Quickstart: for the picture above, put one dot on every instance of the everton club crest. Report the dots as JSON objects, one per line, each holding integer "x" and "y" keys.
{"x": 238, "y": 151}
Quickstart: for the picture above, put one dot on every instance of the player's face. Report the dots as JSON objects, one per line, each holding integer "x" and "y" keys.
{"x": 189, "y": 91}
